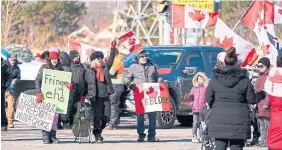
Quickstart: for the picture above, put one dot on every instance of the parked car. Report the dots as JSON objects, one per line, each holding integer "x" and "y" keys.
{"x": 177, "y": 65}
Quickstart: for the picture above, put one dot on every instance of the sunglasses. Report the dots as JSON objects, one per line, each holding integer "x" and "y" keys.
{"x": 143, "y": 56}
{"x": 99, "y": 58}
{"x": 261, "y": 66}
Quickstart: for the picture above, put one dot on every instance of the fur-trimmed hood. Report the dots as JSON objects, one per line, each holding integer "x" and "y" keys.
{"x": 195, "y": 79}
{"x": 229, "y": 76}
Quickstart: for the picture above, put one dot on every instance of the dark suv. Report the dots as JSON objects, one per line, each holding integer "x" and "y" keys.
{"x": 177, "y": 65}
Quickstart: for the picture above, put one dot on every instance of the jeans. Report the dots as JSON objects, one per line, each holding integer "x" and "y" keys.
{"x": 263, "y": 124}
{"x": 3, "y": 111}
{"x": 256, "y": 133}
{"x": 101, "y": 112}
{"x": 115, "y": 102}
{"x": 236, "y": 144}
{"x": 152, "y": 124}
{"x": 196, "y": 124}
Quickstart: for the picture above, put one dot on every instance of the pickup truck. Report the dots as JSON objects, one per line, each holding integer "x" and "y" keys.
{"x": 177, "y": 65}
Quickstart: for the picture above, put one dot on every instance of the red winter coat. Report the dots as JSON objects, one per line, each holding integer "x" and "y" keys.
{"x": 273, "y": 87}
{"x": 259, "y": 86}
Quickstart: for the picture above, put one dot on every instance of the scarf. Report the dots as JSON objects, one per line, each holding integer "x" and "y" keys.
{"x": 100, "y": 74}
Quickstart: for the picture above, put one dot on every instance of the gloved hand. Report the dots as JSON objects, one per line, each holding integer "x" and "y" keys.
{"x": 113, "y": 44}
{"x": 82, "y": 99}
{"x": 69, "y": 86}
{"x": 39, "y": 98}
{"x": 260, "y": 95}
{"x": 132, "y": 86}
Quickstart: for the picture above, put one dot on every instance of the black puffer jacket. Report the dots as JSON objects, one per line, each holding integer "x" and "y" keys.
{"x": 228, "y": 94}
{"x": 38, "y": 79}
{"x": 12, "y": 73}
{"x": 65, "y": 61}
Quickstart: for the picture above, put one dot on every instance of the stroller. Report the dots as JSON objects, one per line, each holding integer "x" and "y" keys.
{"x": 207, "y": 143}
{"x": 82, "y": 122}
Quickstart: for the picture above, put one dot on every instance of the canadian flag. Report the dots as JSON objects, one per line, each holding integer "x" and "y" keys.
{"x": 226, "y": 38}
{"x": 261, "y": 17}
{"x": 189, "y": 17}
{"x": 131, "y": 41}
{"x": 151, "y": 97}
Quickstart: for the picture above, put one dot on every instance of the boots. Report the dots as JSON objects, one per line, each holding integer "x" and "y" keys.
{"x": 98, "y": 138}
{"x": 53, "y": 137}
{"x": 46, "y": 137}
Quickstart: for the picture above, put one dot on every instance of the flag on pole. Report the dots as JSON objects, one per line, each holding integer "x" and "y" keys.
{"x": 151, "y": 97}
{"x": 227, "y": 38}
{"x": 275, "y": 48}
{"x": 261, "y": 17}
{"x": 131, "y": 41}
{"x": 188, "y": 17}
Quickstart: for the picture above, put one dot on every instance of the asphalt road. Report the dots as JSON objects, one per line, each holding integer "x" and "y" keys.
{"x": 25, "y": 137}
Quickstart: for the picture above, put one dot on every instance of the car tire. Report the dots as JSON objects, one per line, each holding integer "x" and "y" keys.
{"x": 185, "y": 120}
{"x": 165, "y": 120}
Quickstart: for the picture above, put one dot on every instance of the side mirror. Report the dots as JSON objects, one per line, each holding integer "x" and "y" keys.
{"x": 190, "y": 70}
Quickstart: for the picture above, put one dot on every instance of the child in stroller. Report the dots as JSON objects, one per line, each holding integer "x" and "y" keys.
{"x": 204, "y": 117}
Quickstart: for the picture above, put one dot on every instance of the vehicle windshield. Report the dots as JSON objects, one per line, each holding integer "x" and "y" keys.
{"x": 162, "y": 58}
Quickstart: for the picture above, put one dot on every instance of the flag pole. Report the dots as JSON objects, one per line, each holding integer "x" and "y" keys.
{"x": 242, "y": 16}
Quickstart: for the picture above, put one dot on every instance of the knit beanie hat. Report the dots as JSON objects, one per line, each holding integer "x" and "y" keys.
{"x": 279, "y": 60}
{"x": 45, "y": 55}
{"x": 265, "y": 61}
{"x": 73, "y": 54}
{"x": 53, "y": 55}
{"x": 96, "y": 54}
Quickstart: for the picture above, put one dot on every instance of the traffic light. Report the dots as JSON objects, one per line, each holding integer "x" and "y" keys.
{"x": 162, "y": 6}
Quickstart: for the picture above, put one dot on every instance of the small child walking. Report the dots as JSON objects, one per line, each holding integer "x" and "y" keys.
{"x": 197, "y": 101}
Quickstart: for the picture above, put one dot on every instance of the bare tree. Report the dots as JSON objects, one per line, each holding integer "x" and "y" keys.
{"x": 10, "y": 11}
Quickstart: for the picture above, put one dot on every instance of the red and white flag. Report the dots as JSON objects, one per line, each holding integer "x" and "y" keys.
{"x": 227, "y": 38}
{"x": 151, "y": 97}
{"x": 261, "y": 17}
{"x": 131, "y": 41}
{"x": 189, "y": 17}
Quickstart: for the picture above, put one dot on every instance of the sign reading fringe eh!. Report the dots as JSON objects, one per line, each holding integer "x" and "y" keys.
{"x": 30, "y": 112}
{"x": 54, "y": 88}
{"x": 151, "y": 97}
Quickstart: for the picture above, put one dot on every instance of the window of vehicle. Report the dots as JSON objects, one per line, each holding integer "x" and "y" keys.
{"x": 212, "y": 58}
{"x": 162, "y": 58}
{"x": 195, "y": 59}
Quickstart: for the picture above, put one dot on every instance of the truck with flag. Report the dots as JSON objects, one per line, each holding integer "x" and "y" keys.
{"x": 177, "y": 65}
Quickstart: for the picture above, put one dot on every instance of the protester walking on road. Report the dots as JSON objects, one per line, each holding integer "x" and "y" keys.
{"x": 143, "y": 71}
{"x": 4, "y": 77}
{"x": 53, "y": 64}
{"x": 273, "y": 86}
{"x": 197, "y": 101}
{"x": 13, "y": 73}
{"x": 117, "y": 77}
{"x": 77, "y": 85}
{"x": 98, "y": 89}
{"x": 263, "y": 109}
{"x": 228, "y": 94}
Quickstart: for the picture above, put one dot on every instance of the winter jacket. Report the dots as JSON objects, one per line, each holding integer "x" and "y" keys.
{"x": 12, "y": 73}
{"x": 38, "y": 79}
{"x": 259, "y": 86}
{"x": 228, "y": 94}
{"x": 273, "y": 86}
{"x": 77, "y": 77}
{"x": 138, "y": 73}
{"x": 90, "y": 88}
{"x": 205, "y": 115}
{"x": 91, "y": 85}
{"x": 3, "y": 75}
{"x": 198, "y": 92}
{"x": 65, "y": 61}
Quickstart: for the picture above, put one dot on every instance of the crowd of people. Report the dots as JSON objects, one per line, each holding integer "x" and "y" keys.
{"x": 225, "y": 106}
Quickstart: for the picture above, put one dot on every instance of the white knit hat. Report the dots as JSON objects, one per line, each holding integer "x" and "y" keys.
{"x": 221, "y": 56}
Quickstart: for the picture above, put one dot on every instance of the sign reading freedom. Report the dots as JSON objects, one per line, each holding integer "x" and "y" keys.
{"x": 151, "y": 97}
{"x": 30, "y": 112}
{"x": 54, "y": 89}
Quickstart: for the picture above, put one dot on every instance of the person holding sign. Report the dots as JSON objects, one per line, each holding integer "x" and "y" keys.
{"x": 48, "y": 137}
{"x": 143, "y": 71}
{"x": 98, "y": 88}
